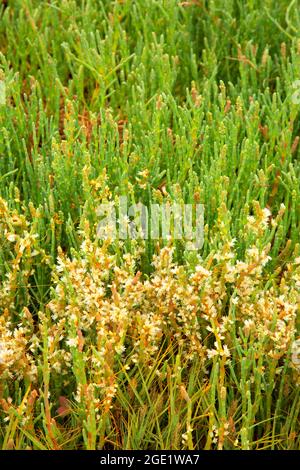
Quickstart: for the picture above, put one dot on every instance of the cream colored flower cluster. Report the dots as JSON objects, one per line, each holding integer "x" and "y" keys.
{"x": 15, "y": 359}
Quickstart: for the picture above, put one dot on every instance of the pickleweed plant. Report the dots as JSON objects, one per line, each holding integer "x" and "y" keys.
{"x": 128, "y": 342}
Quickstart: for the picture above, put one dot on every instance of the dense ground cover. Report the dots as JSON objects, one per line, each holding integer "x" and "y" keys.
{"x": 133, "y": 344}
